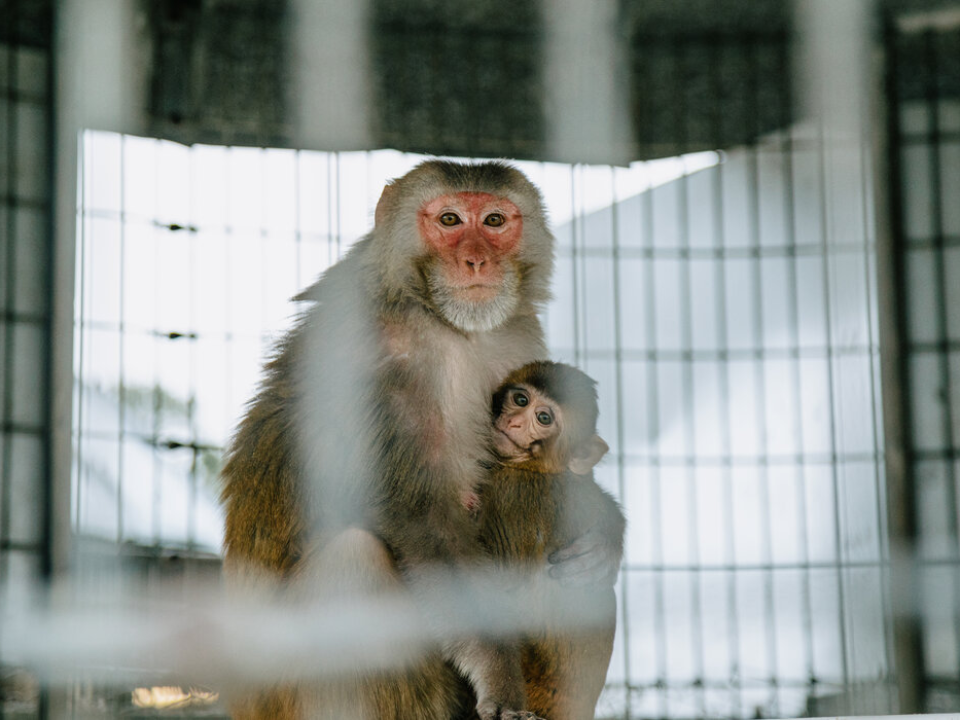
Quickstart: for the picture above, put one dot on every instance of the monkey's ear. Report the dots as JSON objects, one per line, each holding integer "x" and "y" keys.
{"x": 386, "y": 199}
{"x": 588, "y": 455}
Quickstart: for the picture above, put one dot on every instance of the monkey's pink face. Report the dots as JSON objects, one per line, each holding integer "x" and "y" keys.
{"x": 528, "y": 422}
{"x": 472, "y": 235}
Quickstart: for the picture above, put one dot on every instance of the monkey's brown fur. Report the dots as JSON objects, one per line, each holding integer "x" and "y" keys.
{"x": 528, "y": 511}
{"x": 525, "y": 518}
{"x": 372, "y": 420}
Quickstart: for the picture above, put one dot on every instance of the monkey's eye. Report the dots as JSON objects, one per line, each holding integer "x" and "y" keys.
{"x": 494, "y": 220}
{"x": 520, "y": 399}
{"x": 449, "y": 219}
{"x": 544, "y": 418}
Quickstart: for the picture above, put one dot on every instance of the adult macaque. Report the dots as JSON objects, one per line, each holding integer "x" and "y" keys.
{"x": 372, "y": 421}
{"x": 540, "y": 497}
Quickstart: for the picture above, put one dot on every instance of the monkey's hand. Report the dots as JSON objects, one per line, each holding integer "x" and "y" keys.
{"x": 492, "y": 711}
{"x": 591, "y": 559}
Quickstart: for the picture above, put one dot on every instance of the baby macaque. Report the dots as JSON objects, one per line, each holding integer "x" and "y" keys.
{"x": 539, "y": 500}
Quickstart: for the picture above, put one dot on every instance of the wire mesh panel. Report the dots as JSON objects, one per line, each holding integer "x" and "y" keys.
{"x": 729, "y": 318}
{"x": 25, "y": 241}
{"x": 925, "y": 62}
{"x": 722, "y": 301}
{"x": 188, "y": 258}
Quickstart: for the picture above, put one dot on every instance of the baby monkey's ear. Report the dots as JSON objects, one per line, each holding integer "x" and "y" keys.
{"x": 588, "y": 455}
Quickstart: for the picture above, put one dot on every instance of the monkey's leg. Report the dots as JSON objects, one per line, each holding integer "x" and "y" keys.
{"x": 281, "y": 703}
{"x": 257, "y": 584}
{"x": 352, "y": 564}
{"x": 565, "y": 669}
{"x": 356, "y": 563}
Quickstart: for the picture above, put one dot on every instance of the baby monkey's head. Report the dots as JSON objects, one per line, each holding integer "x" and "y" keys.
{"x": 545, "y": 419}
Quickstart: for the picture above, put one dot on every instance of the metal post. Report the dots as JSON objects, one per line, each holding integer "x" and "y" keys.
{"x": 900, "y": 483}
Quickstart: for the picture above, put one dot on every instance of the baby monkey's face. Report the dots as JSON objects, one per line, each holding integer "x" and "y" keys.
{"x": 528, "y": 424}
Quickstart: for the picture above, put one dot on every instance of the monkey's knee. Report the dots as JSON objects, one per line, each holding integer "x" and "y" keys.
{"x": 360, "y": 546}
{"x": 353, "y": 561}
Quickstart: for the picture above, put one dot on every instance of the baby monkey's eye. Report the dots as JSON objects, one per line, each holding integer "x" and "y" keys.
{"x": 520, "y": 399}
{"x": 544, "y": 418}
{"x": 449, "y": 219}
{"x": 494, "y": 220}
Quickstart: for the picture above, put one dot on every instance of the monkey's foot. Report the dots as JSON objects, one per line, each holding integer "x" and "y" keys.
{"x": 491, "y": 712}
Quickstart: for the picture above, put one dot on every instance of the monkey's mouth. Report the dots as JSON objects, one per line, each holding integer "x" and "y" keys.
{"x": 479, "y": 292}
{"x": 507, "y": 447}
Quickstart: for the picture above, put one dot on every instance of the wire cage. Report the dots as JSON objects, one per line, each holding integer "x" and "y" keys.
{"x": 26, "y": 216}
{"x": 765, "y": 284}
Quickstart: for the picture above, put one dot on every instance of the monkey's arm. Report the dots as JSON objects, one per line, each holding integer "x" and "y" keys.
{"x": 591, "y": 544}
